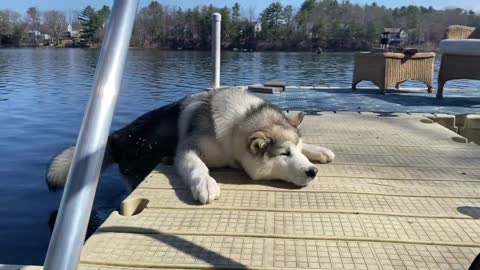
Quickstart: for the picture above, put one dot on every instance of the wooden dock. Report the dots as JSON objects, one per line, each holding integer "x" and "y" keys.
{"x": 403, "y": 193}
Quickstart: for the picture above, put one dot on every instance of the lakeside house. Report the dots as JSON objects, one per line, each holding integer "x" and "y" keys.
{"x": 399, "y": 36}
{"x": 72, "y": 37}
{"x": 70, "y": 33}
{"x": 68, "y": 37}
{"x": 37, "y": 38}
{"x": 258, "y": 26}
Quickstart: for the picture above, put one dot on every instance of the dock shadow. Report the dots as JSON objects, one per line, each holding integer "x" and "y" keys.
{"x": 216, "y": 260}
{"x": 471, "y": 211}
{"x": 239, "y": 178}
{"x": 475, "y": 264}
{"x": 235, "y": 177}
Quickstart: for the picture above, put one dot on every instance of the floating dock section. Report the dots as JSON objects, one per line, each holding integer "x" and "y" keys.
{"x": 403, "y": 193}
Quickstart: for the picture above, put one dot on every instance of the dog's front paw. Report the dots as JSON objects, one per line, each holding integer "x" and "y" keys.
{"x": 318, "y": 153}
{"x": 206, "y": 191}
{"x": 326, "y": 156}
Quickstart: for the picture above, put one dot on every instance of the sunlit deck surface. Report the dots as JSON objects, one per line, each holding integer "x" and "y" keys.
{"x": 403, "y": 193}
{"x": 367, "y": 99}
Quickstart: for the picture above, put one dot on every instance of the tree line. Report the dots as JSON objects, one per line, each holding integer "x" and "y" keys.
{"x": 326, "y": 24}
{"x": 18, "y": 30}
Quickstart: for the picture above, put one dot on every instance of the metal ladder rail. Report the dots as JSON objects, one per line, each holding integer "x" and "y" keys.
{"x": 70, "y": 227}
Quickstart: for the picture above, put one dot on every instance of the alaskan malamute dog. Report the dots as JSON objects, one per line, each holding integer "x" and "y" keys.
{"x": 219, "y": 128}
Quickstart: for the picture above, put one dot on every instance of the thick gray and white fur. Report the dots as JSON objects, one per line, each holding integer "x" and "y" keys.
{"x": 214, "y": 129}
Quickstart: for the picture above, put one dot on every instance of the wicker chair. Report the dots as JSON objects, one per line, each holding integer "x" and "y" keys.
{"x": 460, "y": 55}
{"x": 387, "y": 68}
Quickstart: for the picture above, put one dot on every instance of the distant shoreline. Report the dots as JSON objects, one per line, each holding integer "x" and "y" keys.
{"x": 205, "y": 50}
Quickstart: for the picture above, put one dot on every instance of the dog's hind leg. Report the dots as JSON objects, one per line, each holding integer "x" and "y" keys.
{"x": 196, "y": 175}
{"x": 318, "y": 153}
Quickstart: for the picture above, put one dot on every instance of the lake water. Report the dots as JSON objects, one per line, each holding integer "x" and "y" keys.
{"x": 43, "y": 94}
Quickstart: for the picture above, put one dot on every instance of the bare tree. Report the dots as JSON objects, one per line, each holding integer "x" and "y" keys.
{"x": 72, "y": 16}
{"x": 56, "y": 23}
{"x": 149, "y": 27}
{"x": 9, "y": 16}
{"x": 33, "y": 20}
{"x": 11, "y": 27}
{"x": 251, "y": 14}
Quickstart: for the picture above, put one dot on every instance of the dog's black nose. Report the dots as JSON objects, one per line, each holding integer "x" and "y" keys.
{"x": 311, "y": 172}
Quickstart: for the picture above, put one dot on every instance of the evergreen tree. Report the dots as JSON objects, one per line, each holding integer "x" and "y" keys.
{"x": 92, "y": 21}
{"x": 236, "y": 12}
{"x": 273, "y": 16}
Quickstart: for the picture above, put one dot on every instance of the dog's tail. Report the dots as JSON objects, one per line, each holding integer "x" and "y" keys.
{"x": 60, "y": 165}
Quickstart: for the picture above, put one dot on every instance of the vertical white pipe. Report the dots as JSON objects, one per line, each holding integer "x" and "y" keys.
{"x": 216, "y": 45}
{"x": 77, "y": 200}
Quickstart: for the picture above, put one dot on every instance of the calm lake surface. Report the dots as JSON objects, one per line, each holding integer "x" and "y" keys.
{"x": 43, "y": 94}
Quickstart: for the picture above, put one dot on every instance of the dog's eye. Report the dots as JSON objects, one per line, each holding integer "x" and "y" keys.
{"x": 286, "y": 153}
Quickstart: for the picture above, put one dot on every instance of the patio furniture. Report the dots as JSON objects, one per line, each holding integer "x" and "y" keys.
{"x": 460, "y": 55}
{"x": 387, "y": 68}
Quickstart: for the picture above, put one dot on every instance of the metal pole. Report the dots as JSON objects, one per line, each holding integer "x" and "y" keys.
{"x": 72, "y": 220}
{"x": 216, "y": 29}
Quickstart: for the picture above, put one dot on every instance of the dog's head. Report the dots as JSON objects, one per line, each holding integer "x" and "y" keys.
{"x": 276, "y": 153}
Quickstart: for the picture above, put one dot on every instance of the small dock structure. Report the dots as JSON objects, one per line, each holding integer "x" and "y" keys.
{"x": 270, "y": 87}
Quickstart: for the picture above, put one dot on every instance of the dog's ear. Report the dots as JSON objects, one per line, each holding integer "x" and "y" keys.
{"x": 295, "y": 118}
{"x": 258, "y": 142}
